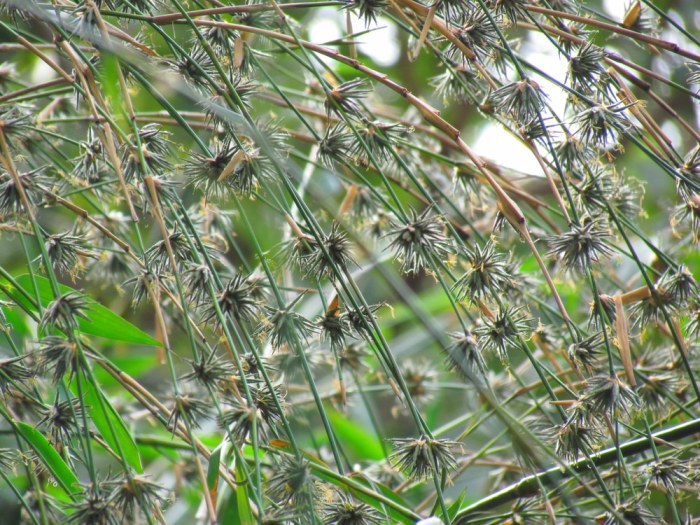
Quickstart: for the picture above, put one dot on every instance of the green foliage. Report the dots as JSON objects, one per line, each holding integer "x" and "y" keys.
{"x": 98, "y": 320}
{"x": 47, "y": 455}
{"x": 439, "y": 266}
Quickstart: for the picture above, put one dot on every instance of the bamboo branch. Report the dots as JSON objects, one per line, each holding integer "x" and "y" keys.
{"x": 530, "y": 485}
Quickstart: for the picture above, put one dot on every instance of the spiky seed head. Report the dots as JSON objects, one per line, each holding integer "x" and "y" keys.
{"x": 583, "y": 244}
{"x": 464, "y": 356}
{"x": 237, "y": 299}
{"x": 522, "y": 101}
{"x": 293, "y": 484}
{"x": 609, "y": 395}
{"x": 346, "y": 511}
{"x": 65, "y": 312}
{"x": 423, "y": 457}
{"x": 367, "y": 10}
{"x": 419, "y": 241}
{"x": 346, "y": 97}
{"x": 503, "y": 331}
{"x": 487, "y": 273}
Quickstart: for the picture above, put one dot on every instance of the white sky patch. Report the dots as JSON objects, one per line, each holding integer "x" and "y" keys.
{"x": 381, "y": 43}
{"x": 671, "y": 130}
{"x": 42, "y": 72}
{"x": 615, "y": 8}
{"x": 496, "y": 143}
{"x": 540, "y": 52}
{"x": 325, "y": 27}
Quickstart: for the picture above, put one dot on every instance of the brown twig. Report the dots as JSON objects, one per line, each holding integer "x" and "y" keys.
{"x": 640, "y": 37}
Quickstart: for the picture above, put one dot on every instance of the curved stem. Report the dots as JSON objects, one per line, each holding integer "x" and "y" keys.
{"x": 529, "y": 485}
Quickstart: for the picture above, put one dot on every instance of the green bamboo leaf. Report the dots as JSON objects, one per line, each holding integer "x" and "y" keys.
{"x": 245, "y": 513}
{"x": 15, "y": 322}
{"x": 454, "y": 508}
{"x": 101, "y": 321}
{"x": 61, "y": 472}
{"x": 360, "y": 442}
{"x": 229, "y": 510}
{"x": 236, "y": 509}
{"x": 109, "y": 80}
{"x": 213, "y": 469}
{"x": 110, "y": 424}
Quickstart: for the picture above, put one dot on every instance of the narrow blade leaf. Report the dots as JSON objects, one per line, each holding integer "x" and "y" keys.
{"x": 110, "y": 424}
{"x": 101, "y": 321}
{"x": 61, "y": 472}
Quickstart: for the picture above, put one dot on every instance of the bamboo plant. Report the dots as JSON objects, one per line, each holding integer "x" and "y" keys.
{"x": 249, "y": 276}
